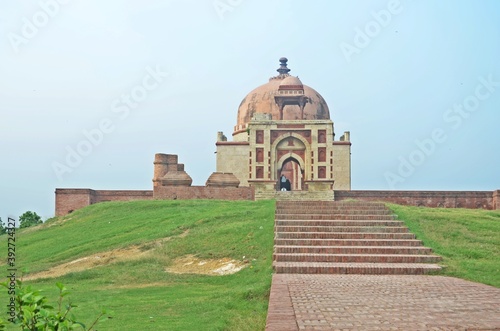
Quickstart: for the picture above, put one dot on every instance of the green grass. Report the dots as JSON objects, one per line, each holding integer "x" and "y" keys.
{"x": 141, "y": 295}
{"x": 467, "y": 239}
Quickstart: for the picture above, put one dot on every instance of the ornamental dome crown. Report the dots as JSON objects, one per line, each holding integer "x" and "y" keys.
{"x": 262, "y": 100}
{"x": 291, "y": 81}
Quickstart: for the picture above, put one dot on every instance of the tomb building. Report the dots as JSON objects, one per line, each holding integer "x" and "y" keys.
{"x": 284, "y": 132}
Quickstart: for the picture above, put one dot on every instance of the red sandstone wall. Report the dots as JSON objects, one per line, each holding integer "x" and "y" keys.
{"x": 68, "y": 200}
{"x": 447, "y": 199}
{"x": 496, "y": 200}
{"x": 203, "y": 192}
{"x": 112, "y": 195}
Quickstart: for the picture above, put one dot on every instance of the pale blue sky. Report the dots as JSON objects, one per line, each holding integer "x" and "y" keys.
{"x": 401, "y": 82}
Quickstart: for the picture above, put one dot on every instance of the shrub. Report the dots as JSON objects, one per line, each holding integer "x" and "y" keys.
{"x": 32, "y": 312}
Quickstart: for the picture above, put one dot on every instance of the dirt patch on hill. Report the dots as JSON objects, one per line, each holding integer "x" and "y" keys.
{"x": 103, "y": 258}
{"x": 215, "y": 267}
{"x": 58, "y": 221}
{"x": 89, "y": 262}
{"x": 187, "y": 264}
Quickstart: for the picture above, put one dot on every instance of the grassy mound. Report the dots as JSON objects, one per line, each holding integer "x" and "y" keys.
{"x": 141, "y": 294}
{"x": 467, "y": 239}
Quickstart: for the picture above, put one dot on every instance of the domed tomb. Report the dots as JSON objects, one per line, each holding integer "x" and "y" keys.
{"x": 284, "y": 130}
{"x": 262, "y": 100}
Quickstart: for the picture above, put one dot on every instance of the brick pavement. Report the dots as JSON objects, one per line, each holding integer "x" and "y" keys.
{"x": 381, "y": 302}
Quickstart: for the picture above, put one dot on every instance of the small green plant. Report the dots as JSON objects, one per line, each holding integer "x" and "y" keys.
{"x": 32, "y": 312}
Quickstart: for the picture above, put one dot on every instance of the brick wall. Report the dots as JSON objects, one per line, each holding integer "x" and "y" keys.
{"x": 203, "y": 192}
{"x": 447, "y": 199}
{"x": 496, "y": 200}
{"x": 113, "y": 195}
{"x": 68, "y": 200}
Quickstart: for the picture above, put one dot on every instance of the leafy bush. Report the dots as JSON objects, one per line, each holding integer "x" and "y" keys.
{"x": 32, "y": 312}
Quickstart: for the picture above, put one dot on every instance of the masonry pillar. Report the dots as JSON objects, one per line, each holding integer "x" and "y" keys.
{"x": 163, "y": 163}
{"x": 496, "y": 199}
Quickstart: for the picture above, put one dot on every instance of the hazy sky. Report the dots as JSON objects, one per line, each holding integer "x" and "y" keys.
{"x": 91, "y": 90}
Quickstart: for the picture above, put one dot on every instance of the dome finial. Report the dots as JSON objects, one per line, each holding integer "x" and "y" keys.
{"x": 283, "y": 69}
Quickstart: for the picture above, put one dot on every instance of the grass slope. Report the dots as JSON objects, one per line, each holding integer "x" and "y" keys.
{"x": 467, "y": 239}
{"x": 140, "y": 293}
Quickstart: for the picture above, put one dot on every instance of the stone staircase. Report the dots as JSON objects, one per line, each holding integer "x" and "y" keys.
{"x": 329, "y": 237}
{"x": 295, "y": 195}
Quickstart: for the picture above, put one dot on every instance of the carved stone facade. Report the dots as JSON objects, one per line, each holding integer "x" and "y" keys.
{"x": 284, "y": 129}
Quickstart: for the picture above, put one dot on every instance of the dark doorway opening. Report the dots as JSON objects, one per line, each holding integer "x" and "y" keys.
{"x": 291, "y": 172}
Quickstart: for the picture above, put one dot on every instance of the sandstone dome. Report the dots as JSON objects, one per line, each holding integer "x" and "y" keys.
{"x": 261, "y": 100}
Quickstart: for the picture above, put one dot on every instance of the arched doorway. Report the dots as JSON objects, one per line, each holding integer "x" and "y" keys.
{"x": 293, "y": 172}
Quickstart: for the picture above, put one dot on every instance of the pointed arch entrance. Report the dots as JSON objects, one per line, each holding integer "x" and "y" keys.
{"x": 289, "y": 159}
{"x": 293, "y": 172}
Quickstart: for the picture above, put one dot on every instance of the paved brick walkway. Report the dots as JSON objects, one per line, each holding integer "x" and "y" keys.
{"x": 381, "y": 302}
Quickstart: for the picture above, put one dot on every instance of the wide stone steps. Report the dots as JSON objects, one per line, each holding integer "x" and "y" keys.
{"x": 300, "y": 207}
{"x": 347, "y": 237}
{"x": 312, "y": 228}
{"x": 343, "y": 235}
{"x": 347, "y": 242}
{"x": 332, "y": 204}
{"x": 338, "y": 223}
{"x": 405, "y": 250}
{"x": 334, "y": 217}
{"x": 355, "y": 268}
{"x": 356, "y": 258}
{"x": 329, "y": 211}
{"x": 294, "y": 196}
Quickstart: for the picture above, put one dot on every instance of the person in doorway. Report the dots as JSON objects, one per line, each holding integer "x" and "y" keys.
{"x": 283, "y": 183}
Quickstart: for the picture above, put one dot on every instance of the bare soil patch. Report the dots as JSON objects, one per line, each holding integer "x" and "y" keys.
{"x": 89, "y": 262}
{"x": 186, "y": 264}
{"x": 215, "y": 267}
